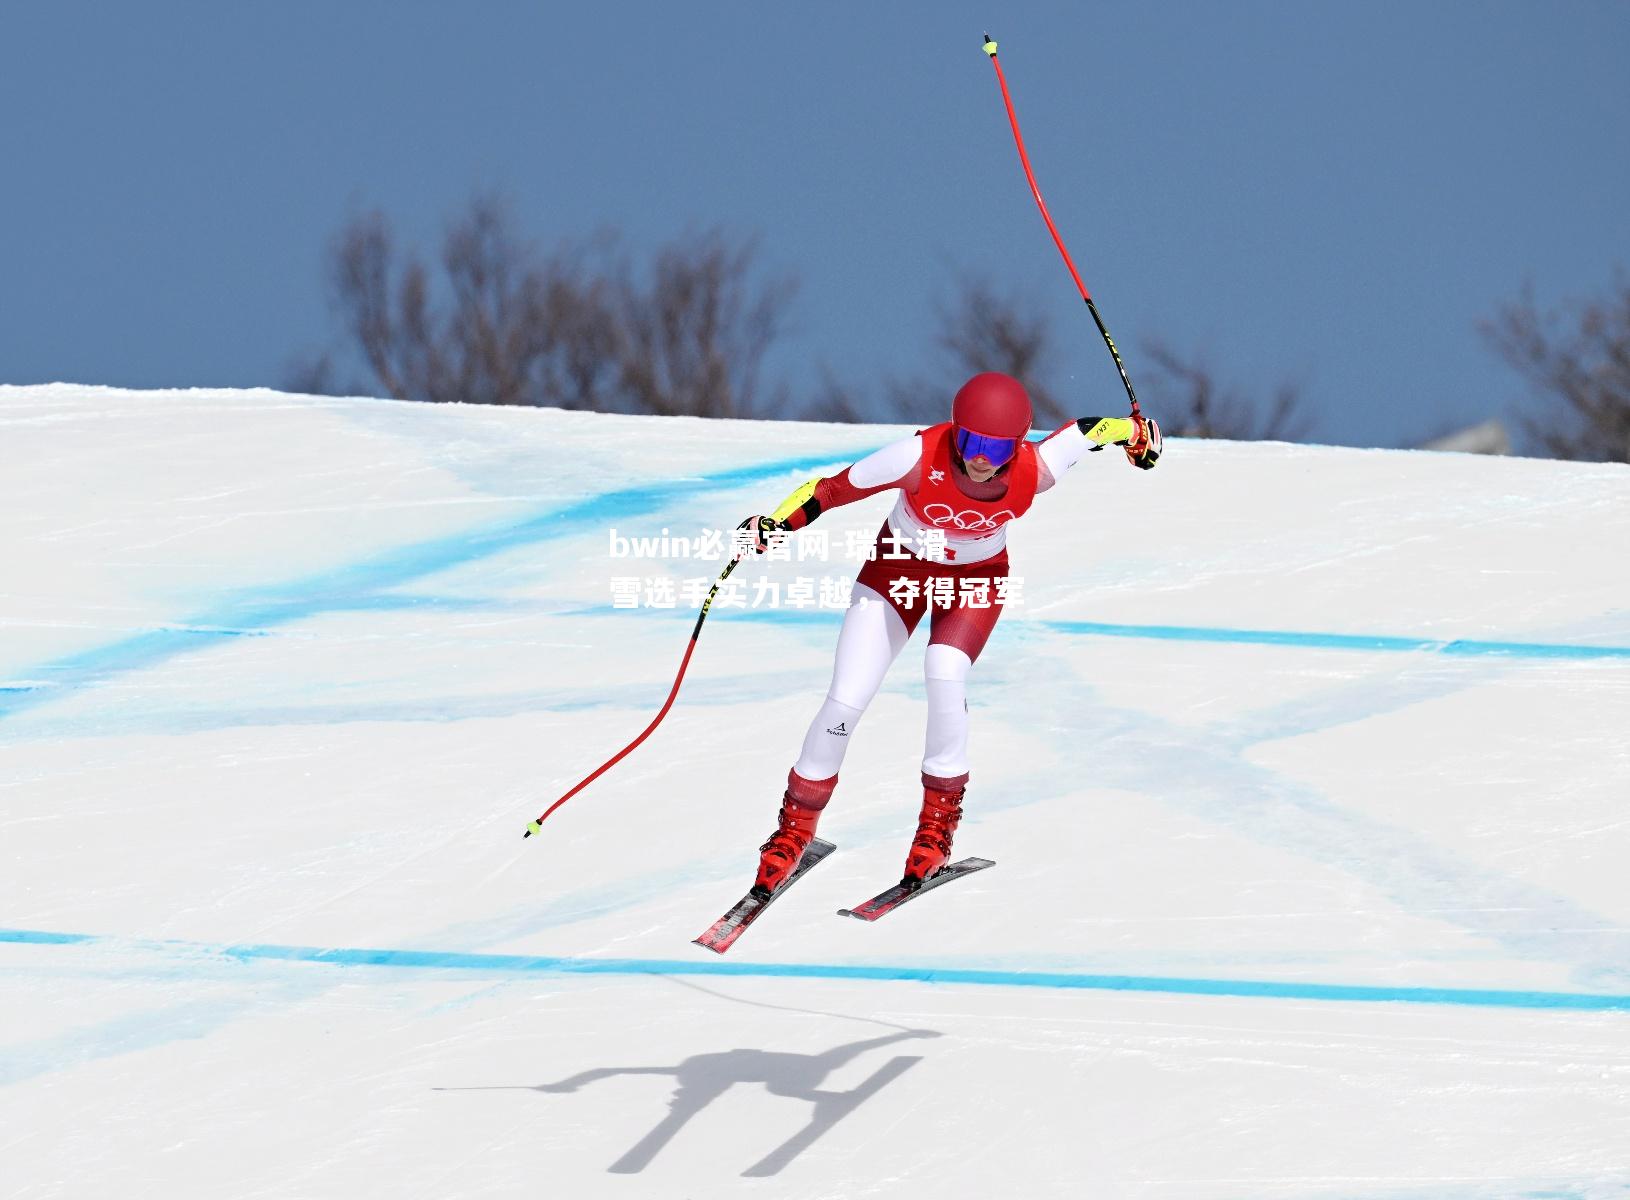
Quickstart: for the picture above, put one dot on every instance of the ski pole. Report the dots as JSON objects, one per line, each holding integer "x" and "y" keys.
{"x": 1024, "y": 158}
{"x": 695, "y": 633}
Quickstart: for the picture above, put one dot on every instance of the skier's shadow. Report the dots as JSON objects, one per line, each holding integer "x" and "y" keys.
{"x": 703, "y": 1078}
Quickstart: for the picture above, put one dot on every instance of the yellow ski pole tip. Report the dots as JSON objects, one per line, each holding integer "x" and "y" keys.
{"x": 531, "y": 828}
{"x": 990, "y": 45}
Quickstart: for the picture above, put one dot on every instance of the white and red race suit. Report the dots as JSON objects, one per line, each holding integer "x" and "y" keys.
{"x": 934, "y": 494}
{"x": 972, "y": 517}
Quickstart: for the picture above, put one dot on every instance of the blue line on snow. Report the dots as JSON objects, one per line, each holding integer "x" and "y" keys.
{"x": 44, "y": 937}
{"x": 439, "y": 960}
{"x": 1338, "y": 641}
{"x": 1460, "y": 647}
{"x": 253, "y": 609}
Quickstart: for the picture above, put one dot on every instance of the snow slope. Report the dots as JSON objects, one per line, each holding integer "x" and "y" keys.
{"x": 1305, "y": 769}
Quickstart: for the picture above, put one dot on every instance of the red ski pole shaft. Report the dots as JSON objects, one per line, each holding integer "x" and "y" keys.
{"x": 1024, "y": 159}
{"x": 695, "y": 633}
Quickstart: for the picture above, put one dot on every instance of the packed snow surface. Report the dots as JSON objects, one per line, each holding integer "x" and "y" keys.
{"x": 1306, "y": 772}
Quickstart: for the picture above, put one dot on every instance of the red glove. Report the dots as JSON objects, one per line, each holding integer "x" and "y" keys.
{"x": 762, "y": 528}
{"x": 1143, "y": 451}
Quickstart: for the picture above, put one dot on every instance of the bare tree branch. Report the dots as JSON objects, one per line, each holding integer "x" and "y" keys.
{"x": 361, "y": 269}
{"x": 1189, "y": 402}
{"x": 1587, "y": 368}
{"x": 833, "y": 400}
{"x": 508, "y": 325}
{"x": 577, "y": 309}
{"x": 310, "y": 375}
{"x": 984, "y": 331}
{"x": 981, "y": 330}
{"x": 696, "y": 336}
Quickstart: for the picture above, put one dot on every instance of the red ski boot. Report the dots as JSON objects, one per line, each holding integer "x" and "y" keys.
{"x": 936, "y": 825}
{"x": 801, "y": 806}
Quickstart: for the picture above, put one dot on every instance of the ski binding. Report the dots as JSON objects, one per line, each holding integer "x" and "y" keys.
{"x": 892, "y": 898}
{"x": 722, "y": 934}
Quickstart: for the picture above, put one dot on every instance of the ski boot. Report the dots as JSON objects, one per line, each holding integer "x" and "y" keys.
{"x": 936, "y": 825}
{"x": 801, "y": 806}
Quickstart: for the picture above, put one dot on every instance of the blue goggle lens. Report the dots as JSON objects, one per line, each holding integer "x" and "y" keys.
{"x": 973, "y": 445}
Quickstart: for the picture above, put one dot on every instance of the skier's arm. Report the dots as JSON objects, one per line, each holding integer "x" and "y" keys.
{"x": 1140, "y": 437}
{"x": 891, "y": 467}
{"x": 815, "y": 496}
{"x": 1106, "y": 431}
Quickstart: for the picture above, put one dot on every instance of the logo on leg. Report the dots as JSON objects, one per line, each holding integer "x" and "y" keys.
{"x": 839, "y": 729}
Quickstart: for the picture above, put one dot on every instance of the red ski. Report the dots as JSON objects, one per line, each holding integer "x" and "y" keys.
{"x": 724, "y": 932}
{"x": 892, "y": 898}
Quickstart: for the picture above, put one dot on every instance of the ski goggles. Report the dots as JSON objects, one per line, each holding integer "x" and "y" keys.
{"x": 998, "y": 450}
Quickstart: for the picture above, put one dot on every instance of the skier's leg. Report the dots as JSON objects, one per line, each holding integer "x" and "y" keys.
{"x": 945, "y": 676}
{"x": 957, "y": 636}
{"x": 945, "y": 759}
{"x": 872, "y": 636}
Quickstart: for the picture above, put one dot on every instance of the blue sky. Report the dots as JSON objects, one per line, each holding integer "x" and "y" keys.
{"x": 1332, "y": 194}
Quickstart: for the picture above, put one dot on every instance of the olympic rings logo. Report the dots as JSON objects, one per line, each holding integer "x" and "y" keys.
{"x": 967, "y": 520}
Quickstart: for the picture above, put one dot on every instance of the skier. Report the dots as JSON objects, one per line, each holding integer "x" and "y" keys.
{"x": 964, "y": 478}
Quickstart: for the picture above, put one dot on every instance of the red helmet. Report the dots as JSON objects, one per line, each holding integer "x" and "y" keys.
{"x": 991, "y": 415}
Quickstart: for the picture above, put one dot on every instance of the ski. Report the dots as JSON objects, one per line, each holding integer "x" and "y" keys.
{"x": 892, "y": 898}
{"x": 724, "y": 932}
